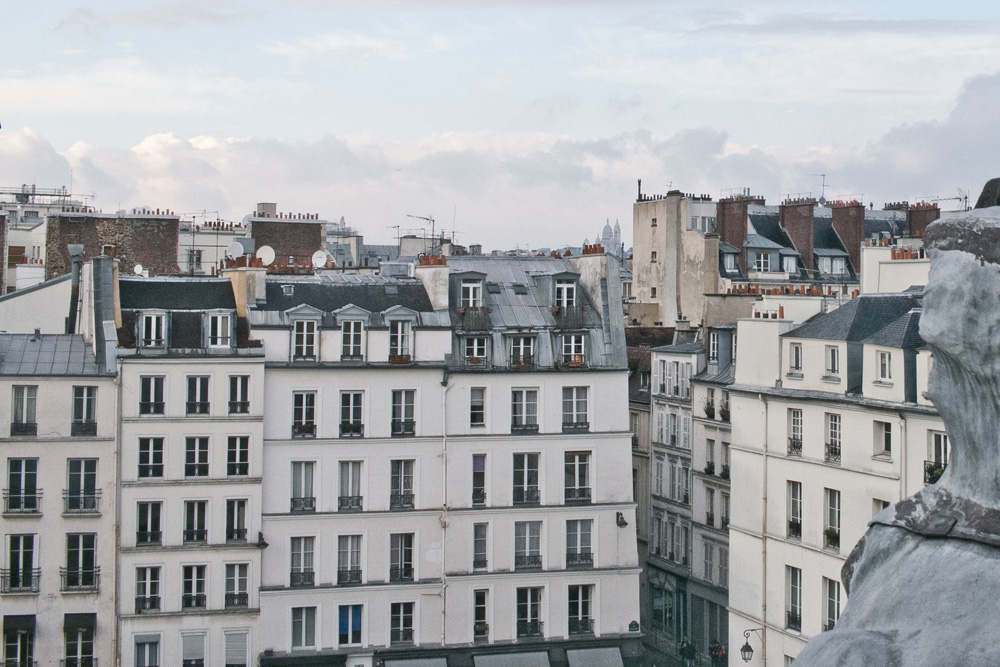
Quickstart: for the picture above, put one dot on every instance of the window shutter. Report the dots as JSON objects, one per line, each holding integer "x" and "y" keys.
{"x": 236, "y": 648}
{"x": 193, "y": 647}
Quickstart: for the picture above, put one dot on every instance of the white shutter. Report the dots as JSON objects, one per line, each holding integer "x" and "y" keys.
{"x": 671, "y": 369}
{"x": 193, "y": 647}
{"x": 236, "y": 648}
{"x": 657, "y": 378}
{"x": 687, "y": 433}
{"x": 686, "y": 383}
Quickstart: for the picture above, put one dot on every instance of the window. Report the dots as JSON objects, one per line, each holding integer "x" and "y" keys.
{"x": 527, "y": 545}
{"x": 81, "y": 571}
{"x": 218, "y": 331}
{"x": 147, "y": 589}
{"x": 351, "y": 338}
{"x": 710, "y": 507}
{"x": 194, "y": 259}
{"x": 193, "y": 649}
{"x": 350, "y": 414}
{"x": 580, "y": 621}
{"x": 578, "y": 545}
{"x": 148, "y": 523}
{"x": 81, "y": 485}
{"x": 236, "y": 520}
{"x": 196, "y": 457}
{"x": 831, "y": 611}
{"x": 524, "y": 411}
{"x": 577, "y": 477}
{"x": 400, "y": 339}
{"x": 789, "y": 264}
{"x": 794, "y": 494}
{"x": 658, "y": 485}
{"x": 652, "y": 222}
{"x": 303, "y": 499}
{"x": 304, "y": 340}
{"x": 79, "y": 647}
{"x": 480, "y": 558}
{"x": 708, "y": 561}
{"x": 303, "y": 627}
{"x": 350, "y": 486}
{"x": 239, "y": 394}
{"x": 480, "y": 624}
{"x": 304, "y": 414}
{"x": 237, "y": 586}
{"x": 349, "y": 628}
{"x": 147, "y": 651}
{"x": 22, "y": 420}
{"x": 150, "y": 457}
{"x": 84, "y": 411}
{"x": 729, "y": 262}
{"x": 400, "y": 622}
{"x": 832, "y": 360}
{"x": 238, "y": 455}
{"x": 526, "y": 479}
{"x": 833, "y": 437}
{"x": 22, "y": 494}
{"x": 475, "y": 349}
{"x": 565, "y": 293}
{"x": 723, "y": 567}
{"x": 793, "y": 598}
{"x": 937, "y": 456}
{"x": 195, "y": 526}
{"x": 883, "y": 438}
{"x": 403, "y": 423}
{"x": 794, "y": 432}
{"x": 652, "y": 292}
{"x": 472, "y": 293}
{"x": 574, "y": 409}
{"x": 197, "y": 395}
{"x": 529, "y": 612}
{"x": 22, "y": 575}
{"x": 572, "y": 349}
{"x": 151, "y": 395}
{"x": 713, "y": 345}
{"x": 725, "y": 510}
{"x": 652, "y": 256}
{"x": 522, "y": 350}
{"x": 349, "y": 559}
{"x": 838, "y": 265}
{"x": 479, "y": 479}
{"x": 301, "y": 570}
{"x": 762, "y": 261}
{"x": 885, "y": 367}
{"x": 831, "y": 524}
{"x": 795, "y": 358}
{"x": 194, "y": 587}
{"x": 153, "y": 328}
{"x": 401, "y": 557}
{"x": 401, "y": 484}
{"x": 477, "y": 406}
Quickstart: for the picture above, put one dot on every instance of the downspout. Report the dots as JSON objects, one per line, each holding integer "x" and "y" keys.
{"x": 118, "y": 509}
{"x": 902, "y": 456}
{"x": 763, "y": 542}
{"x": 444, "y": 506}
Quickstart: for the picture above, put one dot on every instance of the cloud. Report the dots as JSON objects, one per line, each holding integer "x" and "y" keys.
{"x": 392, "y": 46}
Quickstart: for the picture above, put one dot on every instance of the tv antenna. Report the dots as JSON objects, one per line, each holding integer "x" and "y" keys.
{"x": 396, "y": 227}
{"x": 430, "y": 219}
{"x": 822, "y": 195}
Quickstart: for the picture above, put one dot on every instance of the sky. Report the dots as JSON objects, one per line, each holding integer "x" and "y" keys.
{"x": 514, "y": 123}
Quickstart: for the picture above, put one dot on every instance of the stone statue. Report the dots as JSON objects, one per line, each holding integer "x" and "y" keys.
{"x": 924, "y": 581}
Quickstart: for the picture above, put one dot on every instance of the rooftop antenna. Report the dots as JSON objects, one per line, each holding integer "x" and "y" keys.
{"x": 430, "y": 219}
{"x": 396, "y": 227}
{"x": 822, "y": 195}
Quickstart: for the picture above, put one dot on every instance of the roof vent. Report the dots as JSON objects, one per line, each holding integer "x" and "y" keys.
{"x": 288, "y": 290}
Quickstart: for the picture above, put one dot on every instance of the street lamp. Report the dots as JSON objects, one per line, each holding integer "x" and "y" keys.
{"x": 746, "y": 652}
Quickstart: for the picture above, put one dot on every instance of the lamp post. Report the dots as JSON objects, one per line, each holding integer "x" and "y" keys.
{"x": 746, "y": 651}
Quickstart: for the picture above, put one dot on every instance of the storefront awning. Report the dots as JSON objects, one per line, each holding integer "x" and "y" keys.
{"x": 76, "y": 622}
{"x": 15, "y": 623}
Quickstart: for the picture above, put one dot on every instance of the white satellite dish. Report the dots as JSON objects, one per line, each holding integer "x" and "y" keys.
{"x": 234, "y": 250}
{"x": 137, "y": 270}
{"x": 319, "y": 259}
{"x": 265, "y": 254}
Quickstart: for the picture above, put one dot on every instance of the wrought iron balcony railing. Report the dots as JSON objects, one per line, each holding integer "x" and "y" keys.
{"x": 194, "y": 601}
{"x": 401, "y": 573}
{"x": 303, "y": 504}
{"x": 832, "y": 452}
{"x": 526, "y": 495}
{"x": 349, "y": 576}
{"x": 302, "y": 577}
{"x": 578, "y": 495}
{"x": 20, "y": 580}
{"x": 401, "y": 501}
{"x": 80, "y": 579}
{"x": 795, "y": 446}
{"x": 793, "y": 620}
{"x": 237, "y": 600}
{"x": 529, "y": 628}
{"x": 83, "y": 429}
{"x": 352, "y": 430}
{"x": 531, "y": 562}
{"x": 350, "y": 503}
{"x": 579, "y": 559}
{"x": 403, "y": 427}
{"x": 22, "y": 502}
{"x": 581, "y": 626}
{"x": 81, "y": 503}
{"x": 147, "y": 603}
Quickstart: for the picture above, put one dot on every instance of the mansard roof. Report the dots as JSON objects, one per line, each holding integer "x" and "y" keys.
{"x": 176, "y": 293}
{"x": 858, "y": 319}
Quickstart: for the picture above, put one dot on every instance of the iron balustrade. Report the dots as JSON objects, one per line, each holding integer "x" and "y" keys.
{"x": 352, "y": 430}
{"x": 22, "y": 503}
{"x": 237, "y": 600}
{"x": 350, "y": 503}
{"x": 302, "y": 578}
{"x": 303, "y": 504}
{"x": 832, "y": 452}
{"x": 401, "y": 573}
{"x": 236, "y": 535}
{"x": 83, "y": 429}
{"x": 194, "y": 601}
{"x": 793, "y": 620}
{"x": 531, "y": 562}
{"x": 529, "y": 628}
{"x": 401, "y": 501}
{"x": 239, "y": 407}
{"x": 795, "y": 529}
{"x": 147, "y": 603}
{"x": 304, "y": 430}
{"x": 349, "y": 576}
{"x": 198, "y": 535}
{"x": 518, "y": 428}
{"x": 23, "y": 428}
{"x": 581, "y": 626}
{"x": 148, "y": 537}
{"x": 795, "y": 446}
{"x": 20, "y": 580}
{"x": 577, "y": 495}
{"x": 579, "y": 559}
{"x": 526, "y": 495}
{"x": 77, "y": 579}
{"x": 401, "y": 636}
{"x": 197, "y": 407}
{"x": 81, "y": 503}
{"x": 403, "y": 427}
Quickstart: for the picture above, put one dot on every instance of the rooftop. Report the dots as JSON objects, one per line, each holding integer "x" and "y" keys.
{"x": 858, "y": 319}
{"x": 47, "y": 354}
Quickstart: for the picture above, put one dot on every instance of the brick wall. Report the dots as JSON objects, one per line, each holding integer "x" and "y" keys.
{"x": 797, "y": 220}
{"x": 918, "y": 217}
{"x": 849, "y": 223}
{"x": 150, "y": 241}
{"x": 289, "y": 238}
{"x": 731, "y": 224}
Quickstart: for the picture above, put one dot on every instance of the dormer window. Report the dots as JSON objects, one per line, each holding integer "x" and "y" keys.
{"x": 762, "y": 262}
{"x": 522, "y": 350}
{"x": 304, "y": 340}
{"x": 565, "y": 293}
{"x": 153, "y": 330}
{"x": 729, "y": 261}
{"x": 789, "y": 264}
{"x": 219, "y": 331}
{"x": 572, "y": 349}
{"x": 475, "y": 349}
{"x": 400, "y": 340}
{"x": 472, "y": 293}
{"x": 713, "y": 346}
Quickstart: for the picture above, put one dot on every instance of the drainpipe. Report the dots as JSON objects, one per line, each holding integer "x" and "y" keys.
{"x": 443, "y": 519}
{"x": 76, "y": 254}
{"x": 763, "y": 541}
{"x": 116, "y": 649}
{"x": 902, "y": 456}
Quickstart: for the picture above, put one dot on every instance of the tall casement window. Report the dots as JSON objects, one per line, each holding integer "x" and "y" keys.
{"x": 22, "y": 574}
{"x": 795, "y": 357}
{"x": 154, "y": 330}
{"x": 477, "y": 406}
{"x": 527, "y": 545}
{"x": 401, "y": 622}
{"x": 350, "y": 499}
{"x": 793, "y": 598}
{"x": 349, "y": 624}
{"x": 480, "y": 548}
{"x": 23, "y": 494}
{"x": 578, "y": 544}
{"x": 218, "y": 331}
{"x": 304, "y": 414}
{"x": 475, "y": 349}
{"x": 151, "y": 395}
{"x": 82, "y": 572}
{"x": 239, "y": 394}
{"x": 303, "y": 627}
{"x": 147, "y": 589}
{"x": 480, "y": 611}
{"x": 885, "y": 367}
{"x": 565, "y": 293}
{"x": 522, "y": 350}
{"x": 832, "y": 360}
{"x": 350, "y": 414}
{"x": 713, "y": 346}
{"x": 882, "y": 438}
{"x": 833, "y": 432}
{"x": 238, "y": 456}
{"x": 196, "y": 457}
{"x": 194, "y": 587}
{"x": 352, "y": 332}
{"x": 573, "y": 349}
{"x": 529, "y": 612}
{"x": 576, "y": 477}
{"x": 197, "y": 395}
{"x": 479, "y": 479}
{"x": 301, "y": 566}
{"x": 403, "y": 421}
{"x": 148, "y": 523}
{"x": 574, "y": 409}
{"x": 236, "y": 520}
{"x": 303, "y": 499}
{"x": 195, "y": 521}
{"x": 794, "y": 494}
{"x": 236, "y": 648}
{"x": 580, "y": 620}
{"x": 84, "y": 411}
{"x": 831, "y": 610}
{"x": 401, "y": 557}
{"x": 938, "y": 452}
{"x": 147, "y": 651}
{"x": 794, "y": 432}
{"x": 304, "y": 340}
{"x": 81, "y": 494}
{"x": 400, "y": 340}
{"x": 150, "y": 457}
{"x": 401, "y": 484}
{"x": 524, "y": 410}
{"x": 472, "y": 293}
{"x": 831, "y": 524}
{"x": 349, "y": 559}
{"x": 237, "y": 587}
{"x": 526, "y": 479}
{"x": 22, "y": 421}
{"x": 79, "y": 643}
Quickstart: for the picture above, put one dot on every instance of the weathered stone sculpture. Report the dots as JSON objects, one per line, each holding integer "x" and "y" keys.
{"x": 924, "y": 582}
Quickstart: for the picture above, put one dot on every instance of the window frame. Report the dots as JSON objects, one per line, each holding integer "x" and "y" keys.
{"x": 352, "y": 345}
{"x": 305, "y": 340}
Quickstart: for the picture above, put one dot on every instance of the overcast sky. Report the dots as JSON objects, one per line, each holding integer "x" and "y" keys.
{"x": 520, "y": 123}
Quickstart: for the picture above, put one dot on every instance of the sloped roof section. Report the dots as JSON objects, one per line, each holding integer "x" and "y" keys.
{"x": 47, "y": 354}
{"x": 857, "y": 320}
{"x": 330, "y": 293}
{"x": 903, "y": 332}
{"x": 180, "y": 293}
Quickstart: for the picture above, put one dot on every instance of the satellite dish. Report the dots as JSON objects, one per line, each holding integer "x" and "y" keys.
{"x": 265, "y": 254}
{"x": 319, "y": 259}
{"x": 137, "y": 270}
{"x": 234, "y": 250}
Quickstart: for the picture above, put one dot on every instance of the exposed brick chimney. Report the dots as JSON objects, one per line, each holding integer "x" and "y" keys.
{"x": 919, "y": 216}
{"x": 731, "y": 225}
{"x": 796, "y": 217}
{"x": 849, "y": 224}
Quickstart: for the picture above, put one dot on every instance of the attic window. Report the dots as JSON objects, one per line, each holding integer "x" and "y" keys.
{"x": 565, "y": 293}
{"x": 472, "y": 293}
{"x": 153, "y": 326}
{"x": 493, "y": 288}
{"x": 288, "y": 290}
{"x": 519, "y": 288}
{"x": 392, "y": 290}
{"x": 729, "y": 260}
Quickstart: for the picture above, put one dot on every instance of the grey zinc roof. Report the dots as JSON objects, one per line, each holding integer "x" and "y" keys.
{"x": 758, "y": 241}
{"x": 857, "y": 320}
{"x": 329, "y": 292}
{"x": 177, "y": 293}
{"x": 46, "y": 354}
{"x": 829, "y": 252}
{"x": 728, "y": 247}
{"x": 693, "y": 347}
{"x": 903, "y": 332}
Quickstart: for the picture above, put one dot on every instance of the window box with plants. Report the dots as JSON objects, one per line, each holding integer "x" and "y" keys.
{"x": 831, "y": 537}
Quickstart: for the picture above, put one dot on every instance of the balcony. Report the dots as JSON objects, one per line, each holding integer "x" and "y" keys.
{"x": 147, "y": 604}
{"x": 581, "y": 626}
{"x": 23, "y": 429}
{"x": 793, "y": 620}
{"x": 237, "y": 469}
{"x": 479, "y": 563}
{"x": 832, "y": 454}
{"x": 576, "y": 427}
{"x": 479, "y": 497}
{"x": 401, "y": 501}
{"x": 80, "y": 579}
{"x": 401, "y": 636}
{"x": 724, "y": 473}
{"x": 20, "y": 581}
{"x": 303, "y": 504}
{"x": 710, "y": 519}
{"x": 349, "y": 576}
{"x": 529, "y": 629}
{"x": 725, "y": 523}
{"x": 481, "y": 632}
{"x": 239, "y": 600}
{"x": 194, "y": 601}
{"x": 710, "y": 468}
{"x": 579, "y": 559}
{"x": 531, "y": 562}
{"x": 795, "y": 446}
{"x": 635, "y": 441}
{"x": 197, "y": 407}
{"x": 521, "y": 428}
{"x": 403, "y": 428}
{"x": 526, "y": 495}
{"x": 83, "y": 429}
{"x": 829, "y": 625}
{"x": 300, "y": 578}
{"x": 724, "y": 411}
{"x": 148, "y": 537}
{"x": 22, "y": 503}
{"x": 304, "y": 430}
{"x": 396, "y": 358}
{"x": 795, "y": 529}
{"x": 350, "y": 503}
{"x": 239, "y": 407}
{"x": 81, "y": 503}
{"x": 522, "y": 361}
{"x": 831, "y": 538}
{"x": 352, "y": 430}
{"x": 236, "y": 535}
{"x": 196, "y": 535}
{"x": 577, "y": 495}
{"x": 933, "y": 471}
{"x": 709, "y": 410}
{"x": 151, "y": 408}
{"x": 82, "y": 661}
{"x": 401, "y": 573}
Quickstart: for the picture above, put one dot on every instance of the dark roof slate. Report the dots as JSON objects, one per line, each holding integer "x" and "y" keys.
{"x": 858, "y": 319}
{"x": 47, "y": 354}
{"x": 179, "y": 293}
{"x": 903, "y": 332}
{"x": 681, "y": 348}
{"x": 329, "y": 296}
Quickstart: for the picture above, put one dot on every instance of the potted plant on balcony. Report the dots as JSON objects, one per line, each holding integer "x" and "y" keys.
{"x": 832, "y": 536}
{"x": 710, "y": 409}
{"x": 724, "y": 474}
{"x": 724, "y": 411}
